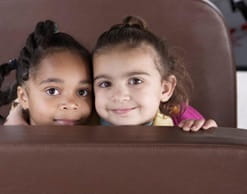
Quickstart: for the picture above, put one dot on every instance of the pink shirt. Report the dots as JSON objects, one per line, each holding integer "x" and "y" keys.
{"x": 189, "y": 113}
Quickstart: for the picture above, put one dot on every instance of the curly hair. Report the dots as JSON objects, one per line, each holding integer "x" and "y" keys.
{"x": 43, "y": 41}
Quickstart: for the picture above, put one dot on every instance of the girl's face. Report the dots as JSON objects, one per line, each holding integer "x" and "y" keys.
{"x": 59, "y": 92}
{"x": 128, "y": 86}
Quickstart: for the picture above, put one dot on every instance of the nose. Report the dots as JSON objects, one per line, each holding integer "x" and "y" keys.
{"x": 120, "y": 94}
{"x": 69, "y": 104}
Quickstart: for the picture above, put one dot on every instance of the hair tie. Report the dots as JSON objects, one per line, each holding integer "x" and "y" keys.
{"x": 56, "y": 29}
{"x": 13, "y": 64}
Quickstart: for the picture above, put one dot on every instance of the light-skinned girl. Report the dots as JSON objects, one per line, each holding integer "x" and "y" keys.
{"x": 138, "y": 82}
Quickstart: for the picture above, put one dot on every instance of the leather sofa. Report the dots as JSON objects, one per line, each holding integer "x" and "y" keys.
{"x": 123, "y": 160}
{"x": 130, "y": 160}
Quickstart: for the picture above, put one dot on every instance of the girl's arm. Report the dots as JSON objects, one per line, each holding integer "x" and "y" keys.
{"x": 16, "y": 116}
{"x": 192, "y": 120}
{"x": 195, "y": 125}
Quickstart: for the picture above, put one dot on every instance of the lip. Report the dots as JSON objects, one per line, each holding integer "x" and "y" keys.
{"x": 122, "y": 111}
{"x": 65, "y": 122}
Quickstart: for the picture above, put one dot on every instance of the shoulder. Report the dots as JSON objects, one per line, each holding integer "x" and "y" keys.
{"x": 188, "y": 113}
{"x": 162, "y": 120}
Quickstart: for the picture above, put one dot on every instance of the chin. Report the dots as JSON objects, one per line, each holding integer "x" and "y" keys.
{"x": 131, "y": 123}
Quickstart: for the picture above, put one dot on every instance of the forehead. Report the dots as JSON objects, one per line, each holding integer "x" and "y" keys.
{"x": 64, "y": 63}
{"x": 143, "y": 56}
{"x": 144, "y": 48}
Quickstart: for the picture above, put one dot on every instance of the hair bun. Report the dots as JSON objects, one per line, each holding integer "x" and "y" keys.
{"x": 44, "y": 30}
{"x": 135, "y": 21}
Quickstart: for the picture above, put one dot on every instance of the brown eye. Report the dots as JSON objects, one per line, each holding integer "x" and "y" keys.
{"x": 52, "y": 92}
{"x": 83, "y": 92}
{"x": 135, "y": 81}
{"x": 105, "y": 84}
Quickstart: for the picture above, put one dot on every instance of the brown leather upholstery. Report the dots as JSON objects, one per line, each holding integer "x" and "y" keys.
{"x": 110, "y": 160}
{"x": 194, "y": 27}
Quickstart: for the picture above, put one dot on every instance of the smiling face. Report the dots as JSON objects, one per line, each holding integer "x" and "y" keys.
{"x": 59, "y": 93}
{"x": 128, "y": 85}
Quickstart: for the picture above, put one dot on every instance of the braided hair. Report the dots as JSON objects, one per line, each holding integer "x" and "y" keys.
{"x": 133, "y": 33}
{"x": 44, "y": 40}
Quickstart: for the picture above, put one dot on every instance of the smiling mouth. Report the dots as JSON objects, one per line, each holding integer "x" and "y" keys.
{"x": 66, "y": 122}
{"x": 122, "y": 111}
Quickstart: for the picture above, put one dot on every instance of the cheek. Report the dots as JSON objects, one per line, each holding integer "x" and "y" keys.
{"x": 149, "y": 97}
{"x": 100, "y": 103}
{"x": 41, "y": 104}
{"x": 40, "y": 110}
{"x": 100, "y": 96}
{"x": 151, "y": 102}
{"x": 86, "y": 106}
{"x": 151, "y": 92}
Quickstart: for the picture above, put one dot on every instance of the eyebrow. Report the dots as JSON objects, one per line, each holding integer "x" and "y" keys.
{"x": 56, "y": 80}
{"x": 127, "y": 75}
{"x": 102, "y": 76}
{"x": 137, "y": 73}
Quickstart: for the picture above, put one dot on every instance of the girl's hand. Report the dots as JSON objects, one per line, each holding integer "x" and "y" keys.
{"x": 195, "y": 125}
{"x": 15, "y": 116}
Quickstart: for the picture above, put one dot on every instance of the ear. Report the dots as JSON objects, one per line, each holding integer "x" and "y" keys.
{"x": 168, "y": 86}
{"x": 23, "y": 97}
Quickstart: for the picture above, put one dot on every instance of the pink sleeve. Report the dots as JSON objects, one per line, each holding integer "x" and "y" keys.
{"x": 189, "y": 113}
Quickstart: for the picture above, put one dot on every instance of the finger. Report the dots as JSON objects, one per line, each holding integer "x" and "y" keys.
{"x": 209, "y": 124}
{"x": 197, "y": 125}
{"x": 15, "y": 116}
{"x": 181, "y": 124}
{"x": 15, "y": 103}
{"x": 187, "y": 125}
{"x": 17, "y": 109}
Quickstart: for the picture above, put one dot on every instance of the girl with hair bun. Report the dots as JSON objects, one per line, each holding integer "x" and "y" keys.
{"x": 53, "y": 79}
{"x": 138, "y": 82}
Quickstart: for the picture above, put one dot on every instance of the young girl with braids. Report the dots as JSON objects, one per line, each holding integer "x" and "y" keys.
{"x": 138, "y": 82}
{"x": 53, "y": 79}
